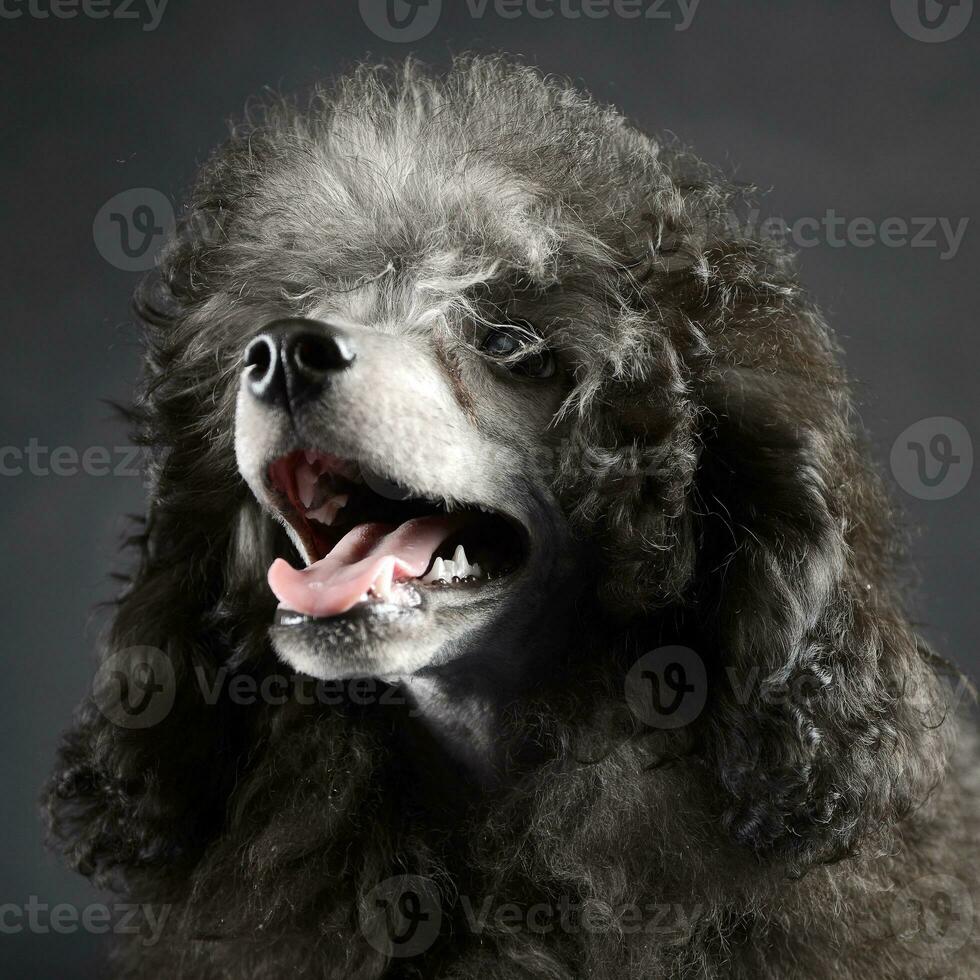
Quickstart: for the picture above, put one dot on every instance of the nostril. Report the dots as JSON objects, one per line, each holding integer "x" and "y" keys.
{"x": 312, "y": 355}
{"x": 262, "y": 373}
{"x": 317, "y": 354}
{"x": 259, "y": 355}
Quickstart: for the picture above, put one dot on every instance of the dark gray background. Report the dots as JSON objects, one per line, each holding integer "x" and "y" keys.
{"x": 828, "y": 104}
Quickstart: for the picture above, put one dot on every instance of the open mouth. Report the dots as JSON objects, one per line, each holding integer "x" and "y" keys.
{"x": 368, "y": 539}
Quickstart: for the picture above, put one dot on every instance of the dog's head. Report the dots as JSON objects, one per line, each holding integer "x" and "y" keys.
{"x": 428, "y": 300}
{"x": 470, "y": 366}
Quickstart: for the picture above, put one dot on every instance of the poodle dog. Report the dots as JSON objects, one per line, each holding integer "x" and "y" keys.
{"x": 515, "y": 584}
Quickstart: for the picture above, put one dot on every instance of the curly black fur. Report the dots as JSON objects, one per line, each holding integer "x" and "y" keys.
{"x": 711, "y": 456}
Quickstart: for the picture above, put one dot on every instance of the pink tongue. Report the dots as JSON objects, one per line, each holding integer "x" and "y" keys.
{"x": 366, "y": 555}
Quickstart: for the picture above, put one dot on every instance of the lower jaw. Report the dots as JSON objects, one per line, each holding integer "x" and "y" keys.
{"x": 372, "y": 639}
{"x": 393, "y": 640}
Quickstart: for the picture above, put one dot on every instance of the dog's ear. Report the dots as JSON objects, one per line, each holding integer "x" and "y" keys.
{"x": 823, "y": 714}
{"x": 818, "y": 719}
{"x": 743, "y": 517}
{"x": 143, "y": 776}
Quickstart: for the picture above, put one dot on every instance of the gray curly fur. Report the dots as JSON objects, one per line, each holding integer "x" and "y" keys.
{"x": 708, "y": 452}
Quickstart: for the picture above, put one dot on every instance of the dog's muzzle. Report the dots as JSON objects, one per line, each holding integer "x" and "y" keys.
{"x": 292, "y": 361}
{"x": 368, "y": 536}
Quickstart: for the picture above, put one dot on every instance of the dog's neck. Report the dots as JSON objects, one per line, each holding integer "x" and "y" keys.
{"x": 466, "y": 702}
{"x": 463, "y": 724}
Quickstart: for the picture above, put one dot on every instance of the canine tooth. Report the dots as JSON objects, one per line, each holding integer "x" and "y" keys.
{"x": 459, "y": 559}
{"x": 305, "y": 484}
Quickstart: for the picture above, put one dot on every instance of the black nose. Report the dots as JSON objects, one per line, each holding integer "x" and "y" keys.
{"x": 291, "y": 361}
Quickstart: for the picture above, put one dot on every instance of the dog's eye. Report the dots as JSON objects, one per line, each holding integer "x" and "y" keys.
{"x": 507, "y": 345}
{"x": 500, "y": 344}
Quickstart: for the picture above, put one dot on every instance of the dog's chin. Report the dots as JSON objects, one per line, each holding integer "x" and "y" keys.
{"x": 426, "y": 628}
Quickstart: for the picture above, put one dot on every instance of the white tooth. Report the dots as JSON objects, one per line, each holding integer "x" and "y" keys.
{"x": 326, "y": 513}
{"x": 459, "y": 559}
{"x": 305, "y": 484}
{"x": 321, "y": 514}
{"x": 476, "y": 571}
{"x": 436, "y": 572}
{"x": 382, "y": 584}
